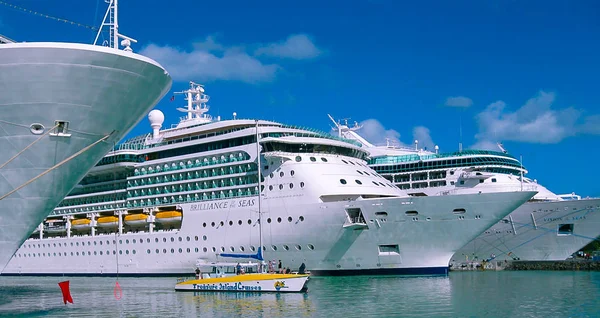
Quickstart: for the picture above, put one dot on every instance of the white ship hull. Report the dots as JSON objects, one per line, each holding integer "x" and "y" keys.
{"x": 318, "y": 234}
{"x": 99, "y": 91}
{"x": 533, "y": 232}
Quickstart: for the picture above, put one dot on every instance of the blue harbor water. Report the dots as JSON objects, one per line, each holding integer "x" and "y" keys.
{"x": 461, "y": 294}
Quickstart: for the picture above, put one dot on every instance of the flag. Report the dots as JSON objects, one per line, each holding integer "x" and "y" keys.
{"x": 64, "y": 287}
{"x": 173, "y": 98}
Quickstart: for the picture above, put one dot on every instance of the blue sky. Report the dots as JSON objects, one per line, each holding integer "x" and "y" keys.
{"x": 521, "y": 72}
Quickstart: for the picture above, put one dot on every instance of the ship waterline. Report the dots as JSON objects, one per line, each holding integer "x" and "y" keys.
{"x": 89, "y": 96}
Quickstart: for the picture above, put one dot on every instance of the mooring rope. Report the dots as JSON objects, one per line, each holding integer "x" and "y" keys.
{"x": 55, "y": 166}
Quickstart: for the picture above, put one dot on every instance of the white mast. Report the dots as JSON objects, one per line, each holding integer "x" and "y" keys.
{"x": 111, "y": 20}
{"x": 260, "y": 239}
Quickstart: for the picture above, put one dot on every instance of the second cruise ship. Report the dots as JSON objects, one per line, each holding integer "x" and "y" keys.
{"x": 159, "y": 203}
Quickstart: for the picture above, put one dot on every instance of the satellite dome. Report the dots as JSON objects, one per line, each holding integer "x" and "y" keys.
{"x": 156, "y": 117}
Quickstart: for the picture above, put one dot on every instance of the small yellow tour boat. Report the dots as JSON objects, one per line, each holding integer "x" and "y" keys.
{"x": 220, "y": 279}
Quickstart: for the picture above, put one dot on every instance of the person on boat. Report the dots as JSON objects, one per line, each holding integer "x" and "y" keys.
{"x": 238, "y": 269}
{"x": 288, "y": 270}
{"x": 302, "y": 268}
{"x": 279, "y": 269}
{"x": 198, "y": 273}
{"x": 271, "y": 265}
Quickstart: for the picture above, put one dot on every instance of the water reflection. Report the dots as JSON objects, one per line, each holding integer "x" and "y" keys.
{"x": 469, "y": 294}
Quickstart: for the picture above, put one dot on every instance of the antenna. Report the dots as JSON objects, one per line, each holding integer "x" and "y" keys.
{"x": 196, "y": 103}
{"x": 337, "y": 125}
{"x": 111, "y": 20}
{"x": 416, "y": 145}
{"x": 460, "y": 147}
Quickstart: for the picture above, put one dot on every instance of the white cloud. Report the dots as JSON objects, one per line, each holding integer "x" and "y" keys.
{"x": 209, "y": 60}
{"x": 297, "y": 46}
{"x": 374, "y": 132}
{"x": 458, "y": 101}
{"x": 534, "y": 122}
{"x": 422, "y": 134}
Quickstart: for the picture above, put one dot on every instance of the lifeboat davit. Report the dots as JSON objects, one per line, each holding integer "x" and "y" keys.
{"x": 108, "y": 221}
{"x": 81, "y": 224}
{"x": 167, "y": 217}
{"x": 136, "y": 219}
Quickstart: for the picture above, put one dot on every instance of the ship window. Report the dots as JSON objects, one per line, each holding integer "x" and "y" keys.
{"x": 281, "y": 187}
{"x": 480, "y": 180}
{"x": 204, "y": 249}
{"x": 342, "y": 181}
{"x": 358, "y": 181}
{"x": 388, "y": 250}
{"x": 462, "y": 182}
{"x": 298, "y": 158}
{"x": 565, "y": 229}
{"x": 291, "y": 185}
{"x": 493, "y": 179}
{"x": 278, "y": 220}
{"x": 313, "y": 159}
{"x": 411, "y": 213}
{"x": 301, "y": 184}
{"x": 459, "y": 211}
{"x": 381, "y": 214}
{"x": 292, "y": 172}
{"x": 289, "y": 219}
{"x": 252, "y": 248}
{"x": 269, "y": 220}
{"x": 274, "y": 247}
{"x": 281, "y": 174}
{"x": 298, "y": 247}
{"x": 147, "y": 251}
{"x": 204, "y": 237}
{"x": 285, "y": 247}
{"x": 301, "y": 218}
{"x": 323, "y": 159}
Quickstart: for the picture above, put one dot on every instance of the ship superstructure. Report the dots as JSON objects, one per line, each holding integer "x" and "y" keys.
{"x": 63, "y": 106}
{"x": 160, "y": 202}
{"x": 548, "y": 227}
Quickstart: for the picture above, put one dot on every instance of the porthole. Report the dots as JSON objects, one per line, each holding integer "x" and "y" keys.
{"x": 36, "y": 128}
{"x": 289, "y": 219}
{"x": 222, "y": 249}
{"x": 249, "y": 222}
{"x": 292, "y": 173}
{"x": 239, "y": 222}
{"x": 358, "y": 181}
{"x": 323, "y": 159}
{"x": 311, "y": 247}
{"x": 270, "y": 188}
{"x": 204, "y": 224}
{"x": 204, "y": 249}
{"x": 180, "y": 250}
{"x": 221, "y": 223}
{"x": 344, "y": 161}
{"x": 147, "y": 251}
{"x": 298, "y": 247}
{"x": 291, "y": 185}
{"x": 313, "y": 159}
{"x": 298, "y": 158}
{"x": 188, "y": 239}
{"x": 172, "y": 251}
{"x": 127, "y": 252}
{"x": 273, "y": 247}
{"x": 242, "y": 248}
{"x": 281, "y": 187}
{"x": 196, "y": 250}
{"x": 252, "y": 248}
{"x": 342, "y": 181}
{"x": 172, "y": 239}
{"x": 281, "y": 174}
{"x": 164, "y": 240}
{"x": 204, "y": 237}
{"x": 133, "y": 242}
{"x": 301, "y": 184}
{"x": 147, "y": 241}
{"x": 212, "y": 224}
{"x": 232, "y": 249}
{"x": 269, "y": 220}
{"x": 278, "y": 220}
{"x": 230, "y": 223}
{"x": 301, "y": 218}
{"x": 271, "y": 175}
{"x": 285, "y": 247}
{"x": 156, "y": 240}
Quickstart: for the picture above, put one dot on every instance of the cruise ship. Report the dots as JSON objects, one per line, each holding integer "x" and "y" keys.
{"x": 63, "y": 106}
{"x": 548, "y": 227}
{"x": 162, "y": 202}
